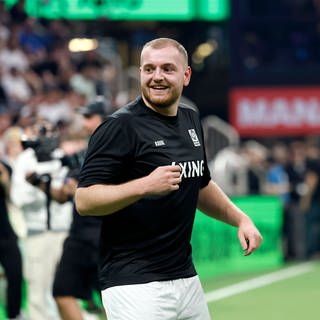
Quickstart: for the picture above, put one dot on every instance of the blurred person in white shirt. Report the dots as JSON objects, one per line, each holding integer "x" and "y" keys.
{"x": 47, "y": 224}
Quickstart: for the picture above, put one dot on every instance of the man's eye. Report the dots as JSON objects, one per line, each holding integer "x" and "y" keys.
{"x": 168, "y": 69}
{"x": 148, "y": 70}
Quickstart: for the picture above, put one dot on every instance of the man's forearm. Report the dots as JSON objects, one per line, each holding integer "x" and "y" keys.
{"x": 99, "y": 200}
{"x": 215, "y": 203}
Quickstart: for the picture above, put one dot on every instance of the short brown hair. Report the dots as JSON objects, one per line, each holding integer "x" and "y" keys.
{"x": 163, "y": 42}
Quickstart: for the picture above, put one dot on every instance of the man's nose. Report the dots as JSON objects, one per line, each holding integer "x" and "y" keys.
{"x": 158, "y": 74}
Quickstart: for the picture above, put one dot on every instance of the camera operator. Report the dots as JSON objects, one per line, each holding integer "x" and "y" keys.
{"x": 77, "y": 273}
{"x": 10, "y": 255}
{"x": 35, "y": 174}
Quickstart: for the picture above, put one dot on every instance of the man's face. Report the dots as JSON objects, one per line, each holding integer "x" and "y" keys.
{"x": 91, "y": 122}
{"x": 163, "y": 74}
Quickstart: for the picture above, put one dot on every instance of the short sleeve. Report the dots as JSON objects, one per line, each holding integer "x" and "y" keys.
{"x": 206, "y": 172}
{"x": 108, "y": 154}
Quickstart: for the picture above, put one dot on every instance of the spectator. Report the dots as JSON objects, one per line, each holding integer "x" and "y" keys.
{"x": 78, "y": 278}
{"x": 84, "y": 81}
{"x": 10, "y": 255}
{"x": 230, "y": 170}
{"x": 54, "y": 108}
{"x": 277, "y": 181}
{"x": 311, "y": 201}
{"x": 17, "y": 12}
{"x": 294, "y": 222}
{"x": 256, "y": 155}
{"x": 47, "y": 223}
{"x": 12, "y": 56}
{"x": 17, "y": 88}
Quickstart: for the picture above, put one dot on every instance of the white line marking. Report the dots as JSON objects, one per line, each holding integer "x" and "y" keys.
{"x": 258, "y": 282}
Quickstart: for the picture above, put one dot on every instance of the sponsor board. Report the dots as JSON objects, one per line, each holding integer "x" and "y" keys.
{"x": 275, "y": 111}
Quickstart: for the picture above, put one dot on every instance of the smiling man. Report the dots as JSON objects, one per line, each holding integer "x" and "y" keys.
{"x": 164, "y": 72}
{"x": 145, "y": 174}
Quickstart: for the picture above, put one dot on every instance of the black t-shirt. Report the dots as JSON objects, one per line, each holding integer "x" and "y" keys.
{"x": 313, "y": 165}
{"x": 148, "y": 240}
{"x": 84, "y": 229}
{"x": 6, "y": 230}
{"x": 296, "y": 177}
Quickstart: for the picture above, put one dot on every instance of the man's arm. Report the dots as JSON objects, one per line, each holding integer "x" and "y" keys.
{"x": 5, "y": 179}
{"x": 216, "y": 204}
{"x": 99, "y": 199}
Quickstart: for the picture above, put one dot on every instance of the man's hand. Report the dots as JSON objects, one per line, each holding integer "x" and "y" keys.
{"x": 249, "y": 237}
{"x": 163, "y": 180}
{"x": 70, "y": 187}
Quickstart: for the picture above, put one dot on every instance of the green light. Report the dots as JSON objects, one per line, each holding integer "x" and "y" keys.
{"x": 175, "y": 10}
{"x": 214, "y": 9}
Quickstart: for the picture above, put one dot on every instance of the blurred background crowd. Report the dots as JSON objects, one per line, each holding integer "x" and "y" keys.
{"x": 51, "y": 68}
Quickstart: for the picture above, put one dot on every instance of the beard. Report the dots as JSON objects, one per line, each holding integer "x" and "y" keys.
{"x": 161, "y": 101}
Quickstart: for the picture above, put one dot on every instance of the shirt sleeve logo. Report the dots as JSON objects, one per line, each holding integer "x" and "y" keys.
{"x": 194, "y": 137}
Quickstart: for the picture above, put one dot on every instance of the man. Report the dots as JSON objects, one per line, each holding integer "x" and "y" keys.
{"x": 10, "y": 255}
{"x": 145, "y": 174}
{"x": 77, "y": 273}
{"x": 47, "y": 222}
{"x": 94, "y": 114}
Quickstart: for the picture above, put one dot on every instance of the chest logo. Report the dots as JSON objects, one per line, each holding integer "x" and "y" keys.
{"x": 159, "y": 143}
{"x": 194, "y": 137}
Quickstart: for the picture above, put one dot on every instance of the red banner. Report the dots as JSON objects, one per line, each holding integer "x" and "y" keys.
{"x": 275, "y": 111}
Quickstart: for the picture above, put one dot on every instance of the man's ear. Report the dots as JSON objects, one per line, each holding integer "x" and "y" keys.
{"x": 187, "y": 76}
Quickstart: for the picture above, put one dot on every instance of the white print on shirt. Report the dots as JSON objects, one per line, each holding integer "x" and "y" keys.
{"x": 159, "y": 143}
{"x": 194, "y": 137}
{"x": 191, "y": 169}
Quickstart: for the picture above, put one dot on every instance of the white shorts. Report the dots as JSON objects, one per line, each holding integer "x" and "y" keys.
{"x": 181, "y": 299}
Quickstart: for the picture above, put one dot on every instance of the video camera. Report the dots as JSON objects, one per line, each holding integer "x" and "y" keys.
{"x": 43, "y": 145}
{"x": 37, "y": 179}
{"x": 73, "y": 161}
